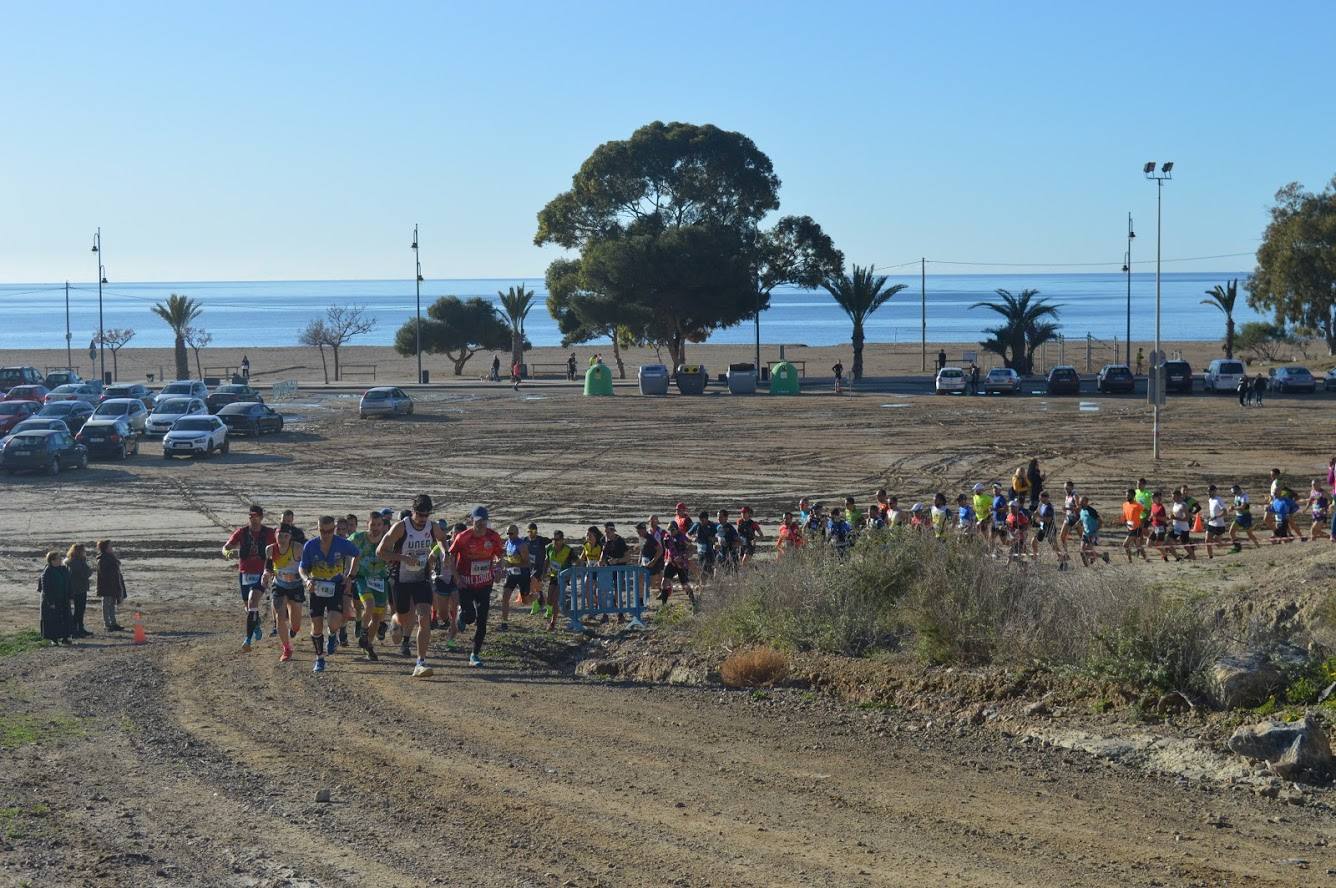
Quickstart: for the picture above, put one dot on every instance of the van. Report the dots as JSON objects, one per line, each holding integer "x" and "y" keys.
{"x": 1223, "y": 375}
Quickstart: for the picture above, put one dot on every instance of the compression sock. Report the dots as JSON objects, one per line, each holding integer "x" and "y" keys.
{"x": 318, "y": 642}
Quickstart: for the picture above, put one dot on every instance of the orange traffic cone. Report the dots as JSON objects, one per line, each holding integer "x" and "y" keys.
{"x": 140, "y": 636}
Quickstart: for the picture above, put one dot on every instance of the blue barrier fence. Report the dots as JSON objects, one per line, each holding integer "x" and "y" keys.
{"x": 591, "y": 591}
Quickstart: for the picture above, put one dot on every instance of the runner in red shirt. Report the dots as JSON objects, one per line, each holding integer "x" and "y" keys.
{"x": 477, "y": 553}
{"x": 249, "y": 544}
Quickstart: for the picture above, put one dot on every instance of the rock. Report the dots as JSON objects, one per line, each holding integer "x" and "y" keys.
{"x": 1245, "y": 680}
{"x": 686, "y": 675}
{"x": 598, "y": 667}
{"x": 323, "y": 795}
{"x": 1037, "y": 708}
{"x": 1291, "y": 748}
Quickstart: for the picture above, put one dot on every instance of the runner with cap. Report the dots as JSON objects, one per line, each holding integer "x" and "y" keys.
{"x": 285, "y": 587}
{"x": 249, "y": 544}
{"x": 681, "y": 517}
{"x": 407, "y": 547}
{"x": 478, "y": 552}
{"x": 328, "y": 565}
{"x": 518, "y": 562}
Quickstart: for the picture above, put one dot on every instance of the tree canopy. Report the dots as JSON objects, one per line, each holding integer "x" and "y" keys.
{"x": 1028, "y": 323}
{"x": 1295, "y": 277}
{"x": 179, "y": 312}
{"x": 860, "y": 294}
{"x": 456, "y": 328}
{"x": 1224, "y": 298}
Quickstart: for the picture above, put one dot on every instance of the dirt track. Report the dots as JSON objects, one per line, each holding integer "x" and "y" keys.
{"x": 188, "y": 763}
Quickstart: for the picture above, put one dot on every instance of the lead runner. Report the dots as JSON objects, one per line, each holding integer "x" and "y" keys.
{"x": 406, "y": 547}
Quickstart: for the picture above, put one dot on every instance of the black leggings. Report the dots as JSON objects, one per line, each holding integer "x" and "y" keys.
{"x": 473, "y": 607}
{"x": 80, "y": 605}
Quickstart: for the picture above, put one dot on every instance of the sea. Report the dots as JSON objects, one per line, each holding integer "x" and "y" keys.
{"x": 271, "y": 313}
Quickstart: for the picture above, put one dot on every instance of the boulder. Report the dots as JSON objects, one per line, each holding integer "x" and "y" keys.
{"x": 606, "y": 668}
{"x": 1292, "y": 749}
{"x": 1245, "y": 680}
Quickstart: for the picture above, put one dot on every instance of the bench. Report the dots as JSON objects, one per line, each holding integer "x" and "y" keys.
{"x": 359, "y": 370}
{"x": 551, "y": 369}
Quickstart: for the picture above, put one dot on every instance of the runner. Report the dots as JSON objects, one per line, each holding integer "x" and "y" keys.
{"x": 516, "y": 556}
{"x": 1090, "y": 524}
{"x": 1216, "y": 516}
{"x": 895, "y": 516}
{"x": 591, "y": 552}
{"x": 478, "y": 552}
{"x": 651, "y": 552}
{"x": 328, "y": 565}
{"x": 855, "y": 518}
{"x": 373, "y": 578}
{"x": 940, "y": 516}
{"x": 1243, "y": 519}
{"x": 677, "y": 564}
{"x": 1283, "y": 508}
{"x": 444, "y": 584}
{"x": 559, "y": 556}
{"x": 681, "y": 517}
{"x": 407, "y": 548}
{"x": 1181, "y": 524}
{"x": 1134, "y": 515}
{"x": 966, "y": 520}
{"x": 1016, "y": 524}
{"x": 838, "y": 532}
{"x": 1071, "y": 512}
{"x": 538, "y": 571}
{"x": 704, "y": 533}
{"x": 285, "y": 584}
{"x": 1143, "y": 495}
{"x": 730, "y": 543}
{"x": 352, "y": 608}
{"x": 750, "y": 532}
{"x": 1046, "y": 528}
{"x": 1160, "y": 536}
{"x": 998, "y": 514}
{"x": 983, "y": 510}
{"x": 249, "y": 544}
{"x": 790, "y": 537}
{"x": 1319, "y": 506}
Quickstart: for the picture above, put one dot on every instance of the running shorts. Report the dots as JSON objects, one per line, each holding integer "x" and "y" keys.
{"x": 320, "y": 604}
{"x": 1090, "y": 539}
{"x": 680, "y": 572}
{"x": 1041, "y": 532}
{"x": 1158, "y": 533}
{"x": 444, "y": 588}
{"x": 1182, "y": 536}
{"x": 296, "y": 594}
{"x": 409, "y": 595}
{"x": 1243, "y": 520}
{"x": 517, "y": 579}
{"x": 247, "y": 582}
{"x": 369, "y": 594}
{"x": 1212, "y": 531}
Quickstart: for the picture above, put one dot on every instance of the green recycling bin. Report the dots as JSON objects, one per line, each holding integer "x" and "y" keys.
{"x": 598, "y": 381}
{"x": 783, "y": 379}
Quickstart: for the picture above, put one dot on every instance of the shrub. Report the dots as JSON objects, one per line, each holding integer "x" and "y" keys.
{"x": 754, "y": 668}
{"x": 1164, "y": 643}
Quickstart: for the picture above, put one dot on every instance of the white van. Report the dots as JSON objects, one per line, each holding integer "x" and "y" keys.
{"x": 1223, "y": 375}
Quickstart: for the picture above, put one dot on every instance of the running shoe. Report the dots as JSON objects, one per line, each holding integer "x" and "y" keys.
{"x": 533, "y": 611}
{"x": 475, "y": 660}
{"x": 246, "y": 645}
{"x": 273, "y": 630}
{"x": 257, "y": 635}
{"x": 380, "y": 633}
{"x": 504, "y": 627}
{"x": 286, "y": 655}
{"x": 450, "y": 645}
{"x": 547, "y": 611}
{"x": 319, "y": 665}
{"x": 403, "y": 649}
{"x": 421, "y": 670}
{"x": 343, "y": 637}
{"x": 371, "y": 653}
{"x": 331, "y": 644}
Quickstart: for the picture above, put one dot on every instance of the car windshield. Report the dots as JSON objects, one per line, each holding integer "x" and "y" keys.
{"x": 12, "y": 408}
{"x": 177, "y": 388}
{"x": 1120, "y": 372}
{"x": 10, "y": 374}
{"x": 376, "y": 396}
{"x": 29, "y": 425}
{"x": 193, "y": 425}
{"x": 59, "y": 408}
{"x": 173, "y": 405}
{"x": 1065, "y": 373}
{"x": 999, "y": 371}
{"x": 1231, "y": 367}
{"x": 27, "y": 442}
{"x": 1300, "y": 372}
{"x": 107, "y": 408}
{"x": 952, "y": 374}
{"x": 231, "y": 390}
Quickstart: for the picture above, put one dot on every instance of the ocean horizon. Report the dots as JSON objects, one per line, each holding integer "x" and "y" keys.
{"x": 272, "y": 313}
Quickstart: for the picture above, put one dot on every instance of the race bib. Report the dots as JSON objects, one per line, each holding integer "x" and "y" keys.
{"x": 480, "y": 572}
{"x": 287, "y": 574}
{"x": 324, "y": 588}
{"x": 376, "y": 583}
{"x": 250, "y": 579}
{"x": 516, "y": 571}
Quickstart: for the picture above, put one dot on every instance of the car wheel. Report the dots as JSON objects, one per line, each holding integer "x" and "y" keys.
{"x": 166, "y": 455}
{"x": 83, "y": 460}
{"x": 54, "y": 468}
{"x": 225, "y": 447}
{"x": 410, "y": 409}
{"x": 209, "y": 450}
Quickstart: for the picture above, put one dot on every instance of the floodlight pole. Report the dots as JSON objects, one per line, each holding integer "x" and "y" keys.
{"x": 417, "y": 284}
{"x": 69, "y": 359}
{"x": 1158, "y": 358}
{"x": 1127, "y": 267}
{"x": 923, "y": 311}
{"x": 101, "y": 279}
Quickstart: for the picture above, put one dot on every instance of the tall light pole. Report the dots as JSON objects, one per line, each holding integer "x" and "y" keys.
{"x": 1127, "y": 270}
{"x": 1157, "y": 359}
{"x": 69, "y": 359}
{"x": 417, "y": 284}
{"x": 101, "y": 279}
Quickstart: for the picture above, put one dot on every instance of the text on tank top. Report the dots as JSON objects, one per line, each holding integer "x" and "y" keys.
{"x": 416, "y": 543}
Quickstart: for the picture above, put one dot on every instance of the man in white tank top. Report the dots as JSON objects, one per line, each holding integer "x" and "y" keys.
{"x": 406, "y": 546}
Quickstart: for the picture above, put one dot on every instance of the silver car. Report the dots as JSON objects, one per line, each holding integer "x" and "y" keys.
{"x": 132, "y": 409}
{"x": 169, "y": 410}
{"x": 385, "y": 400}
{"x": 1001, "y": 379}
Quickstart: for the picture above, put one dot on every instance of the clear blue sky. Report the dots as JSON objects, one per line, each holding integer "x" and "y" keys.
{"x": 302, "y": 140}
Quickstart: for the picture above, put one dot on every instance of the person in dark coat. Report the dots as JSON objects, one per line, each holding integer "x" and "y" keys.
{"x": 110, "y": 584}
{"x": 81, "y": 574}
{"x": 54, "y": 588}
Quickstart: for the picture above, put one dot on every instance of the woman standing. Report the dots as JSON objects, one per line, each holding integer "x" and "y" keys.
{"x": 1036, "y": 479}
{"x": 54, "y": 588}
{"x": 110, "y": 584}
{"x": 76, "y": 559}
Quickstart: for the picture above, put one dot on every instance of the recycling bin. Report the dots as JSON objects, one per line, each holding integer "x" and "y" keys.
{"x": 598, "y": 381}
{"x": 783, "y": 379}
{"x": 692, "y": 379}
{"x": 741, "y": 379}
{"x": 653, "y": 379}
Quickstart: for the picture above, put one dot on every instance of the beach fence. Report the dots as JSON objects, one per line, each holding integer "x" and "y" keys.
{"x": 1087, "y": 354}
{"x": 592, "y": 591}
{"x": 285, "y": 389}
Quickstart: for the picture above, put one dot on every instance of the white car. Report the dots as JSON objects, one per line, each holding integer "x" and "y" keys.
{"x": 1001, "y": 379}
{"x": 184, "y": 388}
{"x": 168, "y": 410}
{"x": 1223, "y": 375}
{"x": 950, "y": 379}
{"x": 194, "y": 436}
{"x": 73, "y": 391}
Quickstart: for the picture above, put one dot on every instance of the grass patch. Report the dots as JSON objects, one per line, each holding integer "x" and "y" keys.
{"x": 754, "y": 668}
{"x": 12, "y": 643}
{"x": 21, "y": 730}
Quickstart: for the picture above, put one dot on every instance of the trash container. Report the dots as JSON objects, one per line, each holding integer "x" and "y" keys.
{"x": 653, "y": 379}
{"x": 598, "y": 381}
{"x": 692, "y": 379}
{"x": 742, "y": 379}
{"x": 426, "y": 377}
{"x": 783, "y": 379}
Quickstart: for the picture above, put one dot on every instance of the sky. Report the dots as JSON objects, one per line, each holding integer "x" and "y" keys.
{"x": 302, "y": 141}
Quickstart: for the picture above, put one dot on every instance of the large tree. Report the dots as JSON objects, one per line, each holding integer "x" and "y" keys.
{"x": 794, "y": 252}
{"x": 342, "y": 323}
{"x": 1027, "y": 323}
{"x": 516, "y": 303}
{"x": 860, "y": 294}
{"x": 1295, "y": 277}
{"x": 455, "y": 328}
{"x": 583, "y": 314}
{"x": 1224, "y": 298}
{"x": 179, "y": 312}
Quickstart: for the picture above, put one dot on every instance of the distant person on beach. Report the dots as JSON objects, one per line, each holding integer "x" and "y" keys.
{"x": 941, "y": 358}
{"x": 838, "y": 370}
{"x": 570, "y": 368}
{"x": 245, "y": 368}
{"x": 1141, "y": 360}
{"x": 496, "y": 368}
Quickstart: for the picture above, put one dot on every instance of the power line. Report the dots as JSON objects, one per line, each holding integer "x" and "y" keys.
{"x": 1087, "y": 264}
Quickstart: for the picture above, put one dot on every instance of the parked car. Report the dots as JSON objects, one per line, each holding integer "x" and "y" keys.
{"x": 1292, "y": 379}
{"x": 12, "y": 376}
{"x": 169, "y": 410}
{"x": 1064, "y": 380}
{"x": 109, "y": 436}
{"x": 14, "y": 412}
{"x": 1115, "y": 378}
{"x": 950, "y": 379}
{"x": 136, "y": 390}
{"x": 43, "y": 450}
{"x": 1329, "y": 381}
{"x": 1178, "y": 377}
{"x": 184, "y": 388}
{"x": 250, "y": 418}
{"x": 73, "y": 391}
{"x": 223, "y": 395}
{"x": 73, "y": 413}
{"x": 36, "y": 393}
{"x": 132, "y": 409}
{"x": 57, "y": 378}
{"x": 1001, "y": 379}
{"x": 1223, "y": 375}
{"x": 33, "y": 423}
{"x": 385, "y": 400}
{"x": 195, "y": 435}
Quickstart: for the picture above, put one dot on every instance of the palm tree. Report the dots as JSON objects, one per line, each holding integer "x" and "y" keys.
{"x": 516, "y": 304}
{"x": 1223, "y": 298}
{"x": 1026, "y": 326}
{"x": 179, "y": 312}
{"x": 860, "y": 294}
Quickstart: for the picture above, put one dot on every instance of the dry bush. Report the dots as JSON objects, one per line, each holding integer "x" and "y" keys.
{"x": 754, "y": 667}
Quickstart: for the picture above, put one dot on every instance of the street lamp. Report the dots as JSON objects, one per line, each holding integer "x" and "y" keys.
{"x": 417, "y": 284}
{"x": 101, "y": 279}
{"x": 1127, "y": 270}
{"x": 1157, "y": 359}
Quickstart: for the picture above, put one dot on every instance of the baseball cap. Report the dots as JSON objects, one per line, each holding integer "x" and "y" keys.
{"x": 680, "y": 506}
{"x": 422, "y": 503}
{"x": 479, "y": 514}
{"x": 978, "y": 487}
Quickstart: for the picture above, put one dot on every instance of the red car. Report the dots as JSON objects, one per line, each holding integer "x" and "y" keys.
{"x": 36, "y": 393}
{"x": 14, "y": 412}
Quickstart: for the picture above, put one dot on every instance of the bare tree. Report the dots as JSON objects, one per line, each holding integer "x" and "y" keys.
{"x": 113, "y": 340}
{"x": 341, "y": 324}
{"x": 197, "y": 338}
{"x": 315, "y": 335}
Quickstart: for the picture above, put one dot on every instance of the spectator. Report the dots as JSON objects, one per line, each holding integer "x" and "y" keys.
{"x": 570, "y": 368}
{"x": 76, "y": 559}
{"x": 245, "y": 368}
{"x": 57, "y": 624}
{"x": 110, "y": 584}
{"x": 941, "y": 358}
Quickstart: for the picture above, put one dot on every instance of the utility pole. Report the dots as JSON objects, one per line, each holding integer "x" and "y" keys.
{"x": 923, "y": 310}
{"x": 69, "y": 360}
{"x": 1157, "y": 359}
{"x": 1127, "y": 269}
{"x": 101, "y": 279}
{"x": 417, "y": 284}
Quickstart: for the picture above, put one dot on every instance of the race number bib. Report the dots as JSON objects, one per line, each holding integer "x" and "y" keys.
{"x": 480, "y": 573}
{"x": 250, "y": 579}
{"x": 515, "y": 571}
{"x": 324, "y": 589}
{"x": 376, "y": 583}
{"x": 287, "y": 574}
